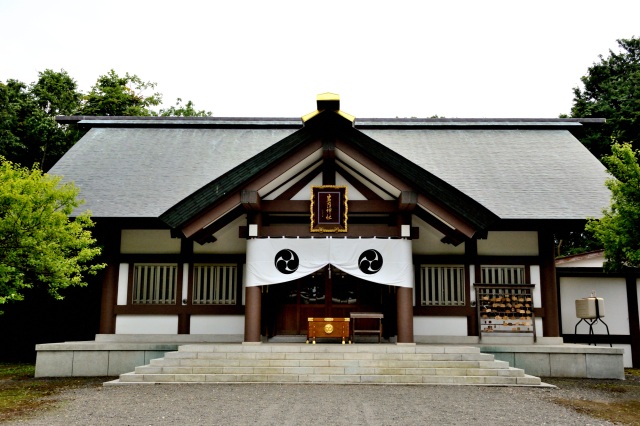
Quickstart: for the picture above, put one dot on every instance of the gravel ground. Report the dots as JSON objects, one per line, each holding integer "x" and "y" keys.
{"x": 272, "y": 404}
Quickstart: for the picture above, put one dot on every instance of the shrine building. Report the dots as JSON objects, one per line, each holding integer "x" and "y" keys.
{"x": 244, "y": 229}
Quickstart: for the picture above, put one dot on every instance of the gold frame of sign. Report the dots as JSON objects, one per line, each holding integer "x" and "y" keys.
{"x": 329, "y": 208}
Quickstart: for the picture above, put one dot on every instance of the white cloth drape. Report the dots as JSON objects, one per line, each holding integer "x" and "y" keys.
{"x": 277, "y": 260}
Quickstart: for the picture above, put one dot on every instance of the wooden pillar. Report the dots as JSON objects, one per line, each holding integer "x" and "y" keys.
{"x": 471, "y": 258}
{"x": 109, "y": 298}
{"x": 252, "y": 314}
{"x": 404, "y": 296}
{"x": 548, "y": 285}
{"x": 110, "y": 239}
{"x": 186, "y": 256}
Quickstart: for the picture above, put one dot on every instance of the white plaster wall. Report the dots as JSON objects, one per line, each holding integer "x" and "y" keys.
{"x": 352, "y": 193}
{"x": 612, "y": 290}
{"x": 509, "y": 243}
{"x": 185, "y": 281}
{"x": 227, "y": 240}
{"x": 280, "y": 184}
{"x": 155, "y": 241}
{"x": 123, "y": 283}
{"x": 305, "y": 193}
{"x": 352, "y": 165}
{"x": 534, "y": 271}
{"x": 539, "y": 329}
{"x": 440, "y": 326}
{"x": 244, "y": 287}
{"x": 217, "y": 324}
{"x": 472, "y": 274}
{"x": 146, "y": 324}
{"x": 429, "y": 241}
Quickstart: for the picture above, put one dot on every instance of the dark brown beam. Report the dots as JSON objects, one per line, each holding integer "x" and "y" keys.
{"x": 206, "y": 235}
{"x": 304, "y": 206}
{"x": 452, "y": 236}
{"x": 447, "y": 216}
{"x": 328, "y": 163}
{"x": 300, "y": 184}
{"x": 302, "y": 230}
{"x": 368, "y": 193}
{"x": 250, "y": 200}
{"x": 398, "y": 183}
{"x": 407, "y": 200}
{"x": 233, "y": 200}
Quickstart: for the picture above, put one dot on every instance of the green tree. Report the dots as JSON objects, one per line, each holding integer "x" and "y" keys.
{"x": 113, "y": 95}
{"x": 611, "y": 91}
{"x": 39, "y": 244}
{"x": 29, "y": 133}
{"x": 619, "y": 229}
{"x": 56, "y": 93}
{"x": 179, "y": 110}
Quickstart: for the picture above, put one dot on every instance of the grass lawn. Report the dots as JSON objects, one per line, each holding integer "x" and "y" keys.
{"x": 21, "y": 393}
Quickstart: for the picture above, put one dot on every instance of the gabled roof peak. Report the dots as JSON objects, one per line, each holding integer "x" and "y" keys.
{"x": 328, "y": 102}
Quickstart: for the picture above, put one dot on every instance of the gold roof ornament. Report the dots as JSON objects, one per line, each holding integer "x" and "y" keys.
{"x": 328, "y": 101}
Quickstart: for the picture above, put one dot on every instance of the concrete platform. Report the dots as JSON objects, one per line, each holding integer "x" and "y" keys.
{"x": 113, "y": 355}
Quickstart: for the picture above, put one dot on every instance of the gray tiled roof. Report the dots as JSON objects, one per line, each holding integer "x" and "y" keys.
{"x": 516, "y": 173}
{"x": 141, "y": 172}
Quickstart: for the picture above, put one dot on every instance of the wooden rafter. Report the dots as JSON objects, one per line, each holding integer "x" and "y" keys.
{"x": 368, "y": 193}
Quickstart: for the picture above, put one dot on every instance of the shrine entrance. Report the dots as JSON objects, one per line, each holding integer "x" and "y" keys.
{"x": 328, "y": 292}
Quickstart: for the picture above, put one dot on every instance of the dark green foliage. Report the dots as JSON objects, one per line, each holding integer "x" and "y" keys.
{"x": 612, "y": 91}
{"x": 179, "y": 110}
{"x": 29, "y": 133}
{"x": 114, "y": 96}
{"x": 619, "y": 229}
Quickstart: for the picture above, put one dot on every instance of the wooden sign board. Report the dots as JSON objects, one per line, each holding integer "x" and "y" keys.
{"x": 329, "y": 210}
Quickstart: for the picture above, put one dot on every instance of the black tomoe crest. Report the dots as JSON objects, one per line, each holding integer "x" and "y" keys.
{"x": 370, "y": 261}
{"x": 287, "y": 261}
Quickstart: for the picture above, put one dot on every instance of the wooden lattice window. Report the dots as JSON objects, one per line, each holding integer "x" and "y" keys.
{"x": 154, "y": 284}
{"x": 215, "y": 284}
{"x": 442, "y": 285}
{"x": 502, "y": 275}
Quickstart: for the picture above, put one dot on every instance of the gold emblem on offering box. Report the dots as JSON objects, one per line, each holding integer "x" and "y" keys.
{"x": 329, "y": 208}
{"x": 328, "y": 328}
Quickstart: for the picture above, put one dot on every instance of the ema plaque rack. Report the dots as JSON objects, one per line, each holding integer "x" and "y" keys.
{"x": 505, "y": 310}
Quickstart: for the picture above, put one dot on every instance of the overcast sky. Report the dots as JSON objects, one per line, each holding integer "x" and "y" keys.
{"x": 271, "y": 58}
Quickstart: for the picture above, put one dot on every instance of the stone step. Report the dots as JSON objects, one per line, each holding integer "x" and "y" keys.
{"x": 300, "y": 363}
{"x": 355, "y": 370}
{"x": 524, "y": 380}
{"x": 334, "y": 348}
{"x": 326, "y": 363}
{"x": 326, "y": 355}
